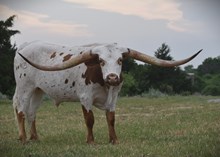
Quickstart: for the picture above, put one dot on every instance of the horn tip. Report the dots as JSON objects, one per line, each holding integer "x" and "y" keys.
{"x": 200, "y": 51}
{"x": 128, "y": 50}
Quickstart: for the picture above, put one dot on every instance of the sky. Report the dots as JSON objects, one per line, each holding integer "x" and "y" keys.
{"x": 185, "y": 25}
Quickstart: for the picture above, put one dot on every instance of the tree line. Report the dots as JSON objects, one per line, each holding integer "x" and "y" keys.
{"x": 138, "y": 78}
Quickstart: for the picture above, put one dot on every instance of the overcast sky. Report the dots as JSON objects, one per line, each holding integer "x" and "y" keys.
{"x": 185, "y": 25}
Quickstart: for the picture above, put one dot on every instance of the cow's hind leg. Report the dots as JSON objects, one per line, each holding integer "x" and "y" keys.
{"x": 19, "y": 117}
{"x": 31, "y": 115}
{"x": 110, "y": 116}
{"x": 21, "y": 103}
{"x": 89, "y": 119}
{"x": 21, "y": 126}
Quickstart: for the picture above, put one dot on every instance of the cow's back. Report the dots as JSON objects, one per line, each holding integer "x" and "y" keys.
{"x": 60, "y": 85}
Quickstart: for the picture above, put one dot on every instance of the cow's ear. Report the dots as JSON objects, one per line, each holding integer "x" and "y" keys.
{"x": 92, "y": 62}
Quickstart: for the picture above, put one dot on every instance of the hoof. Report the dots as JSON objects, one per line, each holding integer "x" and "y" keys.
{"x": 114, "y": 142}
{"x": 22, "y": 140}
{"x": 34, "y": 138}
{"x": 91, "y": 142}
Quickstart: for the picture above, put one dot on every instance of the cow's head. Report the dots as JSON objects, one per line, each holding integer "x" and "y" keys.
{"x": 109, "y": 59}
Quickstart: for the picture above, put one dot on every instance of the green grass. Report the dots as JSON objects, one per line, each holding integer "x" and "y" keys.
{"x": 158, "y": 127}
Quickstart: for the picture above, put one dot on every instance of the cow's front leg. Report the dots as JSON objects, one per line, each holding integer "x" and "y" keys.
{"x": 89, "y": 119}
{"x": 110, "y": 116}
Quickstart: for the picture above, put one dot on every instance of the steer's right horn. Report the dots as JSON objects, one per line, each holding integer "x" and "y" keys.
{"x": 74, "y": 61}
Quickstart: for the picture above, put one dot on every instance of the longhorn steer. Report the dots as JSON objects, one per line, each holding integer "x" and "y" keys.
{"x": 90, "y": 74}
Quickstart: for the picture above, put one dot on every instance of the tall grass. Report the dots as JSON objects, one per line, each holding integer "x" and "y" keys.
{"x": 171, "y": 126}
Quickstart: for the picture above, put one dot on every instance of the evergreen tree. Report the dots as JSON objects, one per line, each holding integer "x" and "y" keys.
{"x": 7, "y": 53}
{"x": 168, "y": 80}
{"x": 210, "y": 66}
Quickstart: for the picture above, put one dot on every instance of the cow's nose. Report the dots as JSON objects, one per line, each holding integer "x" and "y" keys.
{"x": 112, "y": 79}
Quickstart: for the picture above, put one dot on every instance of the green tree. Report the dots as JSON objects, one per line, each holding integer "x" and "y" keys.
{"x": 168, "y": 80}
{"x": 7, "y": 53}
{"x": 136, "y": 73}
{"x": 128, "y": 65}
{"x": 212, "y": 84}
{"x": 209, "y": 66}
{"x": 129, "y": 85}
{"x": 189, "y": 69}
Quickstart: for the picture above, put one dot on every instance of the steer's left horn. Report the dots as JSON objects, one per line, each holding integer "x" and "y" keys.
{"x": 156, "y": 61}
{"x": 74, "y": 61}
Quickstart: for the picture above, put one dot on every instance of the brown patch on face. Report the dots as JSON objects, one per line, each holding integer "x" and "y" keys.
{"x": 61, "y": 53}
{"x": 67, "y": 57}
{"x": 53, "y": 55}
{"x": 93, "y": 73}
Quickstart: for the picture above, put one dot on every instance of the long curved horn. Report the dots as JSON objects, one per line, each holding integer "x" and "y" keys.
{"x": 156, "y": 61}
{"x": 76, "y": 60}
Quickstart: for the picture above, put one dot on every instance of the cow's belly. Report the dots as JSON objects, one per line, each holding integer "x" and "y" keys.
{"x": 64, "y": 95}
{"x": 61, "y": 85}
{"x": 61, "y": 94}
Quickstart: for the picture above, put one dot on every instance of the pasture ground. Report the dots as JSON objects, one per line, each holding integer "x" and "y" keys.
{"x": 172, "y": 126}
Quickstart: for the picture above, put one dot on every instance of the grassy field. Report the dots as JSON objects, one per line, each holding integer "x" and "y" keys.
{"x": 164, "y": 127}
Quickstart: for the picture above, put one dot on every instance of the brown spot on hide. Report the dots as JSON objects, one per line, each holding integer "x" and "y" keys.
{"x": 93, "y": 73}
{"x": 73, "y": 84}
{"x": 24, "y": 74}
{"x": 61, "y": 53}
{"x": 20, "y": 75}
{"x": 81, "y": 52}
{"x": 66, "y": 81}
{"x": 53, "y": 55}
{"x": 67, "y": 57}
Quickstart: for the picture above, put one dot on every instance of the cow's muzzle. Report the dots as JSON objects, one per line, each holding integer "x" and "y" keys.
{"x": 112, "y": 79}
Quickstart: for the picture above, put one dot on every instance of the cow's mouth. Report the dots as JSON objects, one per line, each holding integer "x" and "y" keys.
{"x": 112, "y": 83}
{"x": 112, "y": 80}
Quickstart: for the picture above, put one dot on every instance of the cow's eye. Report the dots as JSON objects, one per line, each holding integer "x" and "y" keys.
{"x": 120, "y": 61}
{"x": 101, "y": 62}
